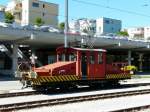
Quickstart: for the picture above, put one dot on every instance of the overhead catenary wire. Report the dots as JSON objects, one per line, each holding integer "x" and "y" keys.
{"x": 111, "y": 8}
{"x": 99, "y": 5}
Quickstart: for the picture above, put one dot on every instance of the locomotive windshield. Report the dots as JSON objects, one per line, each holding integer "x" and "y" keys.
{"x": 67, "y": 57}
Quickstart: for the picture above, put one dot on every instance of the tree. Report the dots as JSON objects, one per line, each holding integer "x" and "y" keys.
{"x": 62, "y": 25}
{"x": 39, "y": 21}
{"x": 123, "y": 33}
{"x": 9, "y": 18}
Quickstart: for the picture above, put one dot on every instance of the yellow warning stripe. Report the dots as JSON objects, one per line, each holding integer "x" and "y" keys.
{"x": 44, "y": 79}
{"x": 118, "y": 76}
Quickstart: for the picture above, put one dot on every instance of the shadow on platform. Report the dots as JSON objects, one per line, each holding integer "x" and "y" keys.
{"x": 8, "y": 78}
{"x": 142, "y": 73}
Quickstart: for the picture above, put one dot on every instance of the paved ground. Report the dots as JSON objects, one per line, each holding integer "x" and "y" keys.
{"x": 8, "y": 83}
{"x": 7, "y": 86}
{"x": 143, "y": 73}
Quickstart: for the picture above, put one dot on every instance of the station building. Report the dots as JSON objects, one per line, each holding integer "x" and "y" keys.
{"x": 17, "y": 46}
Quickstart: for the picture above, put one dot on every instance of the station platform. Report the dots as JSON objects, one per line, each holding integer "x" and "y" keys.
{"x": 8, "y": 83}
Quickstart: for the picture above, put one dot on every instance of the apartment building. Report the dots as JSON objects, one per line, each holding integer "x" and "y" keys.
{"x": 108, "y": 25}
{"x": 147, "y": 33}
{"x": 83, "y": 25}
{"x": 2, "y": 14}
{"x": 27, "y": 11}
{"x": 31, "y": 9}
{"x": 141, "y": 33}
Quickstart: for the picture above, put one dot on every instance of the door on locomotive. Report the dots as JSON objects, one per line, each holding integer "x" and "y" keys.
{"x": 92, "y": 63}
{"x": 84, "y": 65}
{"x": 96, "y": 64}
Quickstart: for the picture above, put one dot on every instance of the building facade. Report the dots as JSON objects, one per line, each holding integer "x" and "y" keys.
{"x": 83, "y": 25}
{"x": 108, "y": 25}
{"x": 33, "y": 9}
{"x": 27, "y": 11}
{"x": 15, "y": 7}
{"x": 141, "y": 33}
{"x": 136, "y": 33}
{"x": 2, "y": 16}
{"x": 147, "y": 33}
{"x": 2, "y": 13}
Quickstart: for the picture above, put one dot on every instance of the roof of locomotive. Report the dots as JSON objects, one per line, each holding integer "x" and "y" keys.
{"x": 83, "y": 49}
{"x": 86, "y": 49}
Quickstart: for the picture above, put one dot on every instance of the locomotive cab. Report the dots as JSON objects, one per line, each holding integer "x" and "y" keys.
{"x": 90, "y": 63}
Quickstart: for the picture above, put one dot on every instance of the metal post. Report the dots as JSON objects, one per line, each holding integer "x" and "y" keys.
{"x": 129, "y": 57}
{"x": 15, "y": 59}
{"x": 140, "y": 62}
{"x": 66, "y": 23}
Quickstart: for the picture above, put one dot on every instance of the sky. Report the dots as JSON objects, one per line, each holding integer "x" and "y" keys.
{"x": 132, "y": 13}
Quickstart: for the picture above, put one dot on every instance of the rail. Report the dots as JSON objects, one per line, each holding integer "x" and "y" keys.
{"x": 6, "y": 95}
{"x": 51, "y": 102}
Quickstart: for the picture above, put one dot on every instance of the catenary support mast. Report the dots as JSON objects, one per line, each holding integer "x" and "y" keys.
{"x": 66, "y": 24}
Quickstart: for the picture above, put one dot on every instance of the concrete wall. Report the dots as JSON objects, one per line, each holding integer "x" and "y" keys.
{"x": 31, "y": 9}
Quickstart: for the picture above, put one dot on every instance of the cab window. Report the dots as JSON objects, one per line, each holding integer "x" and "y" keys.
{"x": 100, "y": 58}
{"x": 72, "y": 57}
{"x": 68, "y": 57}
{"x": 92, "y": 58}
{"x": 61, "y": 57}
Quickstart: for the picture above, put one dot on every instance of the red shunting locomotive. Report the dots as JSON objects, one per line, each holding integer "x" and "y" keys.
{"x": 77, "y": 66}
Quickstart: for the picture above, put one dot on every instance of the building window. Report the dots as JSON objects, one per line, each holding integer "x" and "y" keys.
{"x": 34, "y": 4}
{"x": 43, "y": 14}
{"x": 107, "y": 21}
{"x": 112, "y": 22}
{"x": 99, "y": 28}
{"x": 51, "y": 59}
{"x": 112, "y": 29}
{"x": 43, "y": 5}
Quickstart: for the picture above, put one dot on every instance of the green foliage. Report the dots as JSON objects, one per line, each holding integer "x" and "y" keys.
{"x": 39, "y": 21}
{"x": 62, "y": 25}
{"x": 123, "y": 33}
{"x": 9, "y": 18}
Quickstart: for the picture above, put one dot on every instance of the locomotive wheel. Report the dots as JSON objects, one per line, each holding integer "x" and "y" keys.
{"x": 114, "y": 83}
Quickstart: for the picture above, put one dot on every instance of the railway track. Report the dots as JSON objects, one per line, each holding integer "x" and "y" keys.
{"x": 134, "y": 109}
{"x": 27, "y": 93}
{"x": 51, "y": 102}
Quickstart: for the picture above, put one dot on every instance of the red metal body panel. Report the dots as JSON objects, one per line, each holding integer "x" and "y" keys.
{"x": 110, "y": 69}
{"x": 68, "y": 69}
{"x": 79, "y": 72}
{"x": 58, "y": 68}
